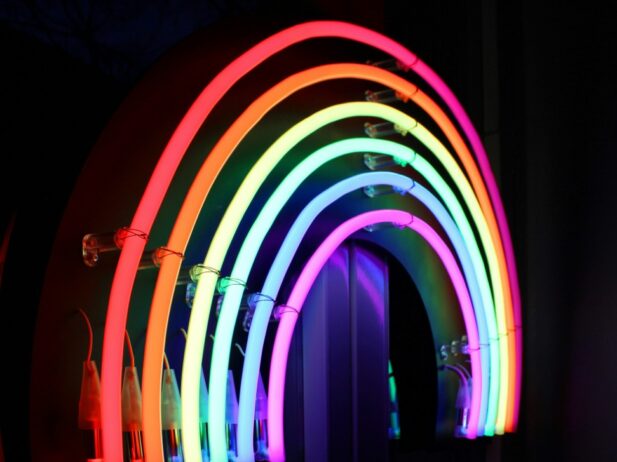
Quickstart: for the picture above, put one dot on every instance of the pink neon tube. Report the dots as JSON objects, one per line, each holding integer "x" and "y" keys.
{"x": 173, "y": 153}
{"x": 284, "y": 334}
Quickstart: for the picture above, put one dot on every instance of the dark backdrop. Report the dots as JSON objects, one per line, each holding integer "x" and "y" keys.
{"x": 537, "y": 79}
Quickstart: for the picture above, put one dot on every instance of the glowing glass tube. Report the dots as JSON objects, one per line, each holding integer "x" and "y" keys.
{"x": 288, "y": 319}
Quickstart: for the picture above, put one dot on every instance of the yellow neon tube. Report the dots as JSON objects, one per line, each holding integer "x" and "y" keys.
{"x": 235, "y": 212}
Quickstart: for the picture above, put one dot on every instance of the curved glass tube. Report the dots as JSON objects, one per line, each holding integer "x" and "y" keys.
{"x": 288, "y": 317}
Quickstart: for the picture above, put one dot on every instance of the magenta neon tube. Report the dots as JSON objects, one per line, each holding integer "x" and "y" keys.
{"x": 289, "y": 316}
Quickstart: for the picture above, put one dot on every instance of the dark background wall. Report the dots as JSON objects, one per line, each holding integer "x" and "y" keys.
{"x": 537, "y": 79}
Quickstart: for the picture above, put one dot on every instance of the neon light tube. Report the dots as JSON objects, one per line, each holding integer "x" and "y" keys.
{"x": 174, "y": 151}
{"x": 288, "y": 319}
{"x": 161, "y": 303}
{"x": 262, "y": 224}
{"x": 239, "y": 204}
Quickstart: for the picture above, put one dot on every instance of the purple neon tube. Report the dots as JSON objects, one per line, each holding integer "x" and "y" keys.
{"x": 289, "y": 316}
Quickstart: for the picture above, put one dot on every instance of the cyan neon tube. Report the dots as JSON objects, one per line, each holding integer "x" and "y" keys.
{"x": 288, "y": 319}
{"x": 281, "y": 263}
{"x": 260, "y": 228}
{"x": 238, "y": 205}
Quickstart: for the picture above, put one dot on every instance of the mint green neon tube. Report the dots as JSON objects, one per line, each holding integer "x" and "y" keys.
{"x": 257, "y": 233}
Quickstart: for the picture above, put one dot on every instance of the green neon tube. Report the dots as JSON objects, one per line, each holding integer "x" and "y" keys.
{"x": 394, "y": 429}
{"x": 248, "y": 251}
{"x": 250, "y": 247}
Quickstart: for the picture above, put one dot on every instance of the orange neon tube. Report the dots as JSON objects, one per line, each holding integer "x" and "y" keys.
{"x": 196, "y": 196}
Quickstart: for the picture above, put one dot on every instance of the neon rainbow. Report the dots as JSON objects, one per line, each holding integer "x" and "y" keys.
{"x": 495, "y": 310}
{"x": 303, "y": 285}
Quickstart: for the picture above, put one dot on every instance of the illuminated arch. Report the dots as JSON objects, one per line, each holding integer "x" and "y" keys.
{"x": 165, "y": 170}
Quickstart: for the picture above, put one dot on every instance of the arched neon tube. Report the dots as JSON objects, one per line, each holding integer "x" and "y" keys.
{"x": 238, "y": 205}
{"x": 280, "y": 351}
{"x": 183, "y": 135}
{"x": 155, "y": 338}
{"x": 288, "y": 249}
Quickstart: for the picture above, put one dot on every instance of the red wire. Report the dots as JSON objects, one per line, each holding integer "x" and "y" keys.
{"x": 166, "y": 361}
{"x": 90, "y": 335}
{"x": 130, "y": 347}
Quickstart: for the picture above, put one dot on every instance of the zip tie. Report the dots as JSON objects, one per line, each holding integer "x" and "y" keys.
{"x": 404, "y": 225}
{"x": 163, "y": 252}
{"x": 403, "y": 131}
{"x": 257, "y": 297}
{"x": 125, "y": 232}
{"x": 402, "y": 191}
{"x": 197, "y": 270}
{"x": 405, "y": 97}
{"x": 282, "y": 309}
{"x": 227, "y": 281}
{"x": 407, "y": 67}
